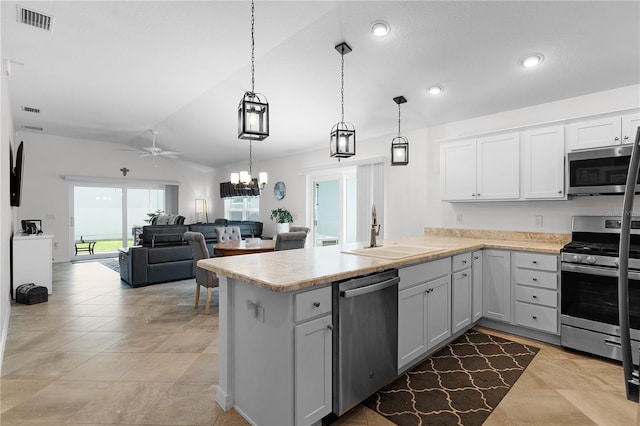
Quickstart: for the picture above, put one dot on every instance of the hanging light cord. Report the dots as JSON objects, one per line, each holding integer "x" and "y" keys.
{"x": 342, "y": 88}
{"x": 253, "y": 46}
{"x": 250, "y": 160}
{"x": 398, "y": 119}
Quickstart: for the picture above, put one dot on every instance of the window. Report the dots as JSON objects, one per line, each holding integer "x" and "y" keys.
{"x": 242, "y": 208}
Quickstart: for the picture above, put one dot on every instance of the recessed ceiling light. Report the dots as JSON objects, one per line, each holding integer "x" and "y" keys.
{"x": 435, "y": 90}
{"x": 380, "y": 28}
{"x": 533, "y": 60}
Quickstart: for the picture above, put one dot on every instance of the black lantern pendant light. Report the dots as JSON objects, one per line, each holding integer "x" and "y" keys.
{"x": 253, "y": 110}
{"x": 399, "y": 144}
{"x": 343, "y": 135}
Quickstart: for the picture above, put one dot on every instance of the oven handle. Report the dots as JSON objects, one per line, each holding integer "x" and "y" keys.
{"x": 604, "y": 272}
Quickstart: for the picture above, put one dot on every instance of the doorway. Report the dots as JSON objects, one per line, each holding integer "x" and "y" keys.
{"x": 105, "y": 217}
{"x": 334, "y": 208}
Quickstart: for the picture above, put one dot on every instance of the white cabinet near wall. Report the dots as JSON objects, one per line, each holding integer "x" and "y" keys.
{"x": 461, "y": 292}
{"x": 486, "y": 168}
{"x": 543, "y": 163}
{"x": 615, "y": 130}
{"x": 496, "y": 285}
{"x": 32, "y": 260}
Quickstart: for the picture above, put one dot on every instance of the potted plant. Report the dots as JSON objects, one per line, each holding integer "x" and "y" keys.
{"x": 283, "y": 218}
{"x": 152, "y": 216}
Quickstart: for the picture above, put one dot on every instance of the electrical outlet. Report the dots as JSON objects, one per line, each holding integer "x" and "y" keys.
{"x": 458, "y": 218}
{"x": 537, "y": 220}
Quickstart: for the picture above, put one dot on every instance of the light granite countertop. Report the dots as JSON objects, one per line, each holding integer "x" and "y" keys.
{"x": 291, "y": 270}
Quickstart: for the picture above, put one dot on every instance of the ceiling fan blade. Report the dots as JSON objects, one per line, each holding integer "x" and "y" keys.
{"x": 146, "y": 154}
{"x": 150, "y": 149}
{"x": 163, "y": 154}
{"x": 170, "y": 153}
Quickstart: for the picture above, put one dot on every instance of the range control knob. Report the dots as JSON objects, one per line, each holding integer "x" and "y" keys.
{"x": 576, "y": 258}
{"x": 591, "y": 260}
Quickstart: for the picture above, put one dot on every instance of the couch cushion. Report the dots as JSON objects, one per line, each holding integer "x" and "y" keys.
{"x": 169, "y": 254}
{"x": 154, "y": 235}
{"x": 206, "y": 229}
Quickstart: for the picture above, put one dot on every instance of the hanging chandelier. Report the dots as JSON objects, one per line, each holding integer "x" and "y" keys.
{"x": 399, "y": 144}
{"x": 253, "y": 110}
{"x": 245, "y": 180}
{"x": 343, "y": 135}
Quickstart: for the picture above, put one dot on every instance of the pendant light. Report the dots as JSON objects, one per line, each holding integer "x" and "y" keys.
{"x": 253, "y": 110}
{"x": 343, "y": 135}
{"x": 399, "y": 144}
{"x": 245, "y": 178}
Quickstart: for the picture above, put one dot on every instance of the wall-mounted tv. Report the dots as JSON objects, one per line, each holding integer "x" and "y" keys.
{"x": 16, "y": 176}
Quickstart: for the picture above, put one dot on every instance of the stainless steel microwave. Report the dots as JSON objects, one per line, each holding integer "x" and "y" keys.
{"x": 599, "y": 171}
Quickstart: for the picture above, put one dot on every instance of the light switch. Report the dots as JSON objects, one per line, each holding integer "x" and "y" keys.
{"x": 537, "y": 221}
{"x": 458, "y": 218}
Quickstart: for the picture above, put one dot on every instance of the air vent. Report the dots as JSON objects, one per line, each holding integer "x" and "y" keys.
{"x": 35, "y": 18}
{"x": 31, "y": 109}
{"x": 39, "y": 129}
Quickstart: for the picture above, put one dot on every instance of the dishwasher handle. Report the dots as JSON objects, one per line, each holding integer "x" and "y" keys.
{"x": 366, "y": 289}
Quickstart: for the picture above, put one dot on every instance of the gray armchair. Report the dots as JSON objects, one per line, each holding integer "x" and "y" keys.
{"x": 290, "y": 240}
{"x": 228, "y": 233}
{"x": 204, "y": 278}
{"x": 298, "y": 229}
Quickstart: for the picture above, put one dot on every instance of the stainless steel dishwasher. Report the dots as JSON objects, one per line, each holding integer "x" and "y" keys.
{"x": 365, "y": 340}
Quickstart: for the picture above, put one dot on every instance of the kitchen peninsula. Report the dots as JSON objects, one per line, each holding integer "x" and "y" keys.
{"x": 275, "y": 325}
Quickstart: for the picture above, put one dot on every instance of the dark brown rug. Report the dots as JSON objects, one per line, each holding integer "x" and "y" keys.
{"x": 459, "y": 385}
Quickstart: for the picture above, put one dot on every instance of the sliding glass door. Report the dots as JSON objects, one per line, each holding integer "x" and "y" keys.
{"x": 105, "y": 217}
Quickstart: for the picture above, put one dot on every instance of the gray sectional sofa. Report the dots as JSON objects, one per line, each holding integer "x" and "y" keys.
{"x": 162, "y": 255}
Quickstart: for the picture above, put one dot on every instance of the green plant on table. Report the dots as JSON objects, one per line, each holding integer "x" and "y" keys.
{"x": 281, "y": 215}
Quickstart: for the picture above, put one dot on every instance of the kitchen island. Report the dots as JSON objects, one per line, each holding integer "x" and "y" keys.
{"x": 275, "y": 320}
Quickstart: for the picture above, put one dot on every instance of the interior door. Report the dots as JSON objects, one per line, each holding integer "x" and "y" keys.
{"x": 326, "y": 212}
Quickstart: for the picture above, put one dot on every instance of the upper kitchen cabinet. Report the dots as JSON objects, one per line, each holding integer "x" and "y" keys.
{"x": 486, "y": 168}
{"x": 602, "y": 131}
{"x": 458, "y": 170}
{"x": 543, "y": 163}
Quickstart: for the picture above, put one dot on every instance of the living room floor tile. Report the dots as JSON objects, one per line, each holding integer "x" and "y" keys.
{"x": 105, "y": 367}
{"x": 15, "y": 391}
{"x": 186, "y": 343}
{"x": 47, "y": 364}
{"x": 141, "y": 341}
{"x": 159, "y": 368}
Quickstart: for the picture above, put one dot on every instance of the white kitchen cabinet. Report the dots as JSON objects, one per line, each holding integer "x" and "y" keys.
{"x": 536, "y": 291}
{"x": 498, "y": 167}
{"x": 461, "y": 292}
{"x": 599, "y": 132}
{"x": 496, "y": 285}
{"x": 480, "y": 169}
{"x": 476, "y": 272}
{"x": 32, "y": 261}
{"x": 458, "y": 170}
{"x": 543, "y": 163}
{"x": 424, "y": 308}
{"x": 313, "y": 351}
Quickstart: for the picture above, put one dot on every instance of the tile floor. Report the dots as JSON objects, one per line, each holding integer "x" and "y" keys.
{"x": 99, "y": 352}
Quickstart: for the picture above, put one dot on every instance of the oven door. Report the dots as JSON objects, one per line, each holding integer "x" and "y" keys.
{"x": 589, "y": 310}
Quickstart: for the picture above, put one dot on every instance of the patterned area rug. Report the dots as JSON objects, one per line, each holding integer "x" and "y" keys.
{"x": 111, "y": 263}
{"x": 459, "y": 385}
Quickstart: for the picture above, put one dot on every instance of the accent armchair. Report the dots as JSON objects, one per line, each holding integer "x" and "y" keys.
{"x": 204, "y": 278}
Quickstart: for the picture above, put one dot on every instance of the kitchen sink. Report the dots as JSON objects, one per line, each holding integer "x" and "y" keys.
{"x": 394, "y": 251}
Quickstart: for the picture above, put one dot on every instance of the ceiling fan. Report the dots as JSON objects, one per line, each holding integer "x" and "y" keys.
{"x": 154, "y": 151}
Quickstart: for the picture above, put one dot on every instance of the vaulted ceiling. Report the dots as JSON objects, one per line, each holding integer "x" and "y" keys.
{"x": 112, "y": 70}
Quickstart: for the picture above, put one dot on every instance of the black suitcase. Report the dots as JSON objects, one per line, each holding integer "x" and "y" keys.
{"x": 31, "y": 293}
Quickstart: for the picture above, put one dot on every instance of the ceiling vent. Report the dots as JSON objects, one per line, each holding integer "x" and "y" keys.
{"x": 35, "y": 18}
{"x": 39, "y": 129}
{"x": 30, "y": 109}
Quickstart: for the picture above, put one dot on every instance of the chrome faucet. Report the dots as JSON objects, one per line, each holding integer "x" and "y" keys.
{"x": 375, "y": 227}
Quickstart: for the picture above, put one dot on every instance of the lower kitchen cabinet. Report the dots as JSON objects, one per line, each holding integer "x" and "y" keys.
{"x": 476, "y": 272}
{"x": 424, "y": 317}
{"x": 496, "y": 285}
{"x": 313, "y": 351}
{"x": 461, "y": 292}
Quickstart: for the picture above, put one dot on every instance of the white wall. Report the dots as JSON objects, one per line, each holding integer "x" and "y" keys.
{"x": 405, "y": 197}
{"x": 519, "y": 215}
{"x": 7, "y": 213}
{"x": 45, "y": 192}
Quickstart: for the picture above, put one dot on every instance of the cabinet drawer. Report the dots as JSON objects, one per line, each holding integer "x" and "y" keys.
{"x": 424, "y": 272}
{"x": 461, "y": 261}
{"x": 537, "y": 278}
{"x": 312, "y": 303}
{"x": 538, "y": 317}
{"x": 544, "y": 262}
{"x": 537, "y": 296}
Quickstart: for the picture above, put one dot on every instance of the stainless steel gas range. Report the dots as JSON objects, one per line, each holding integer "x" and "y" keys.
{"x": 589, "y": 292}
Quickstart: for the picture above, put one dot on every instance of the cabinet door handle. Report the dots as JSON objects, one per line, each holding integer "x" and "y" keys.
{"x": 464, "y": 275}
{"x": 616, "y": 138}
{"x": 476, "y": 257}
{"x": 534, "y": 317}
{"x": 534, "y": 296}
{"x": 316, "y": 304}
{"x": 534, "y": 279}
{"x": 330, "y": 327}
{"x": 535, "y": 262}
{"x": 560, "y": 192}
{"x": 464, "y": 262}
{"x": 626, "y": 137}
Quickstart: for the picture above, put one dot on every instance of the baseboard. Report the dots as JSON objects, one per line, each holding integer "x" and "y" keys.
{"x": 520, "y": 331}
{"x": 224, "y": 401}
